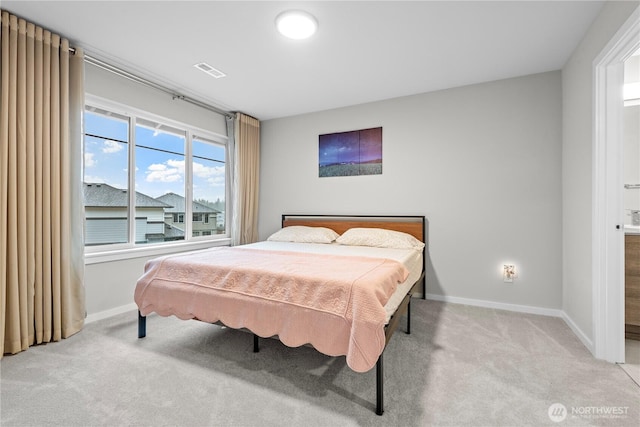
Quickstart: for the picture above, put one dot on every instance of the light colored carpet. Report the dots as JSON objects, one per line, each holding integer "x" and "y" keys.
{"x": 461, "y": 366}
{"x": 632, "y": 359}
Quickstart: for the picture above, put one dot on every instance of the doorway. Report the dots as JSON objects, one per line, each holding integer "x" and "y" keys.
{"x": 608, "y": 212}
{"x": 631, "y": 198}
{"x": 631, "y": 195}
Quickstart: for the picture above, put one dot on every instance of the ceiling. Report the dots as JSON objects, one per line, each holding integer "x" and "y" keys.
{"x": 363, "y": 51}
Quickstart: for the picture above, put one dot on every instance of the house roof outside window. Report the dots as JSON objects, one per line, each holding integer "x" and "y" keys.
{"x": 104, "y": 195}
{"x": 177, "y": 204}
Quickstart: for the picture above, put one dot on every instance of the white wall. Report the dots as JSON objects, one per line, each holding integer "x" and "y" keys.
{"x": 107, "y": 85}
{"x": 482, "y": 163}
{"x": 631, "y": 161}
{"x": 631, "y": 135}
{"x": 577, "y": 157}
{"x": 110, "y": 285}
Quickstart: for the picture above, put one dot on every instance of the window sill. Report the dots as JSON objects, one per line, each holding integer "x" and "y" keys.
{"x": 151, "y": 251}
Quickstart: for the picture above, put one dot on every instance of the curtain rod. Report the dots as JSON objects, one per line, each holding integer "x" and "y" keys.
{"x": 120, "y": 72}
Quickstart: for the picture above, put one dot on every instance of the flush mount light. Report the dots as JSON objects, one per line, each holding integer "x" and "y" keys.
{"x": 296, "y": 24}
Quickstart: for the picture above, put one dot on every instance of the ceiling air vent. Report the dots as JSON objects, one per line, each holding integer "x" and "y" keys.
{"x": 203, "y": 66}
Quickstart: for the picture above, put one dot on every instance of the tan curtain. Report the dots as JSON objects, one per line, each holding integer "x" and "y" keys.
{"x": 247, "y": 179}
{"x": 41, "y": 217}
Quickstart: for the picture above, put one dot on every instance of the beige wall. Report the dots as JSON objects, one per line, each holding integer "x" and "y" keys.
{"x": 107, "y": 85}
{"x": 577, "y": 157}
{"x": 482, "y": 162}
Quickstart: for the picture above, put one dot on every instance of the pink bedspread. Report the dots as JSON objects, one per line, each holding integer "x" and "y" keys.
{"x": 336, "y": 303}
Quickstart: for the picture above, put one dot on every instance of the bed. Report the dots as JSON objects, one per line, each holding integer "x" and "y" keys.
{"x": 338, "y": 283}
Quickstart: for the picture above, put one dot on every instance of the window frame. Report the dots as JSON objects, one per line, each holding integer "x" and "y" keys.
{"x": 118, "y": 251}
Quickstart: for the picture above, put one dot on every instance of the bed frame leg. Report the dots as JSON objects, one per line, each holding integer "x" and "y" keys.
{"x": 256, "y": 343}
{"x": 142, "y": 325}
{"x": 409, "y": 317}
{"x": 379, "y": 386}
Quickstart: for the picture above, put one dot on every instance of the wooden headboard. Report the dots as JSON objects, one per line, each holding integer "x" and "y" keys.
{"x": 410, "y": 224}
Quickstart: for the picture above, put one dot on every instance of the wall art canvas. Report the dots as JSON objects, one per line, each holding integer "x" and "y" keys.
{"x": 357, "y": 152}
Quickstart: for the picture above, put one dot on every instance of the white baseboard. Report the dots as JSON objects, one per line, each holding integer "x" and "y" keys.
{"x": 520, "y": 309}
{"x": 498, "y": 305}
{"x": 94, "y": 317}
{"x": 581, "y": 335}
{"x": 454, "y": 300}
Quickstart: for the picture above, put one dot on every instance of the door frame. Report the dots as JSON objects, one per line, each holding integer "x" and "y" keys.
{"x": 608, "y": 212}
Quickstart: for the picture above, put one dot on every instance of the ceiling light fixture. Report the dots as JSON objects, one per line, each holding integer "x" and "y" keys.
{"x": 296, "y": 24}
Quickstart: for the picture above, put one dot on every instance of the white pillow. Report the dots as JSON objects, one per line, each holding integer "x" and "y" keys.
{"x": 304, "y": 234}
{"x": 379, "y": 238}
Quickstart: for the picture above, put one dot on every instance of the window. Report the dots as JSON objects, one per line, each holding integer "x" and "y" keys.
{"x": 176, "y": 173}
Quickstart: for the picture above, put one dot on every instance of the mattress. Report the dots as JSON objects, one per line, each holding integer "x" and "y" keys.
{"x": 331, "y": 301}
{"x": 410, "y": 258}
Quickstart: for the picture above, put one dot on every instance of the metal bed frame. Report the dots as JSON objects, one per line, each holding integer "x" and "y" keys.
{"x": 404, "y": 307}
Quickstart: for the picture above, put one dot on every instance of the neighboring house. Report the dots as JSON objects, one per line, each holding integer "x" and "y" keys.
{"x": 205, "y": 222}
{"x": 106, "y": 216}
{"x": 220, "y": 221}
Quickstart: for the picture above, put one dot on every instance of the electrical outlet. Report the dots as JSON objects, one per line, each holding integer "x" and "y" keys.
{"x": 508, "y": 273}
